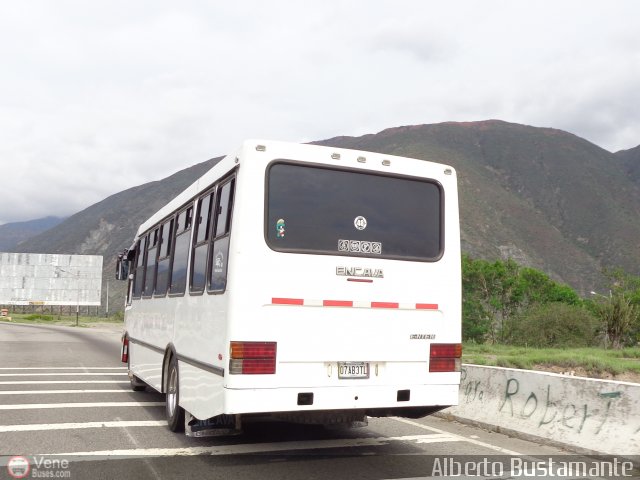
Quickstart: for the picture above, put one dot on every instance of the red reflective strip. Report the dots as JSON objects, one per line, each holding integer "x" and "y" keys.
{"x": 427, "y": 306}
{"x": 384, "y": 305}
{"x": 337, "y": 303}
{"x": 361, "y": 280}
{"x": 349, "y": 303}
{"x": 287, "y": 301}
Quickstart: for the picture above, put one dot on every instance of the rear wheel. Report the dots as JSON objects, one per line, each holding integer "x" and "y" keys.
{"x": 175, "y": 413}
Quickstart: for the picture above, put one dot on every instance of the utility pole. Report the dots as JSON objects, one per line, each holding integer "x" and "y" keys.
{"x": 78, "y": 297}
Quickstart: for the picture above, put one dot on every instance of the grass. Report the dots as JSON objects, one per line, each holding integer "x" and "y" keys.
{"x": 594, "y": 361}
{"x": 65, "y": 320}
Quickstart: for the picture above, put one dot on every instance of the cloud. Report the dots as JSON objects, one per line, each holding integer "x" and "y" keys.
{"x": 104, "y": 96}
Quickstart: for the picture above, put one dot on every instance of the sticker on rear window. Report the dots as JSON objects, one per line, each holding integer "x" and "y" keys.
{"x": 280, "y": 228}
{"x": 359, "y": 246}
{"x": 219, "y": 262}
{"x": 360, "y": 222}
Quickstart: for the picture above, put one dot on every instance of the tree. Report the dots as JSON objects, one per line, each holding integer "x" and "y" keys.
{"x": 490, "y": 295}
{"x": 494, "y": 293}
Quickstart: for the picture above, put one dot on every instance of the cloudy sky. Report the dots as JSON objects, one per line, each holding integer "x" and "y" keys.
{"x": 99, "y": 96}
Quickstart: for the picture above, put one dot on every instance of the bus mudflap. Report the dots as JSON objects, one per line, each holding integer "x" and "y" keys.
{"x": 220, "y": 425}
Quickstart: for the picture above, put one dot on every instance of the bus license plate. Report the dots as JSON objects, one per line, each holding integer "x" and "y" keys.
{"x": 353, "y": 370}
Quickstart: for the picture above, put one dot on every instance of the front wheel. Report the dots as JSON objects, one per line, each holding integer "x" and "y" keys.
{"x": 175, "y": 413}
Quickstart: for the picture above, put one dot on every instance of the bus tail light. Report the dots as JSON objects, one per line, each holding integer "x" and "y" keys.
{"x": 445, "y": 357}
{"x": 252, "y": 358}
{"x": 124, "y": 353}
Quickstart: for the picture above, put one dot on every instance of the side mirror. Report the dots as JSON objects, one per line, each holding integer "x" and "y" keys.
{"x": 122, "y": 268}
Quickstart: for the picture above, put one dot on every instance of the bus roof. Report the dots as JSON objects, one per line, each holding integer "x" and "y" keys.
{"x": 226, "y": 164}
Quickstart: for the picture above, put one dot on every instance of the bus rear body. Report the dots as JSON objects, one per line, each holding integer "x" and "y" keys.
{"x": 327, "y": 287}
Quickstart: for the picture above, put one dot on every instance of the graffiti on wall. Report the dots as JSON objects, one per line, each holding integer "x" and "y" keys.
{"x": 542, "y": 405}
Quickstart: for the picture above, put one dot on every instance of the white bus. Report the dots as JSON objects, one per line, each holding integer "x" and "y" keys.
{"x": 302, "y": 282}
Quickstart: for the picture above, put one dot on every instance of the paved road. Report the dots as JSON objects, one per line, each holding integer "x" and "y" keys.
{"x": 65, "y": 399}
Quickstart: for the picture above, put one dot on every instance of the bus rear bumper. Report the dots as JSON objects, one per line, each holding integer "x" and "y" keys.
{"x": 377, "y": 401}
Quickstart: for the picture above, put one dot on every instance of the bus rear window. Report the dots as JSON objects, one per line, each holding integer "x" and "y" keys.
{"x": 338, "y": 212}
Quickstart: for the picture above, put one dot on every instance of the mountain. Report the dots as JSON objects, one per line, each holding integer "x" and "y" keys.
{"x": 631, "y": 161}
{"x": 544, "y": 197}
{"x": 107, "y": 227}
{"x": 11, "y": 234}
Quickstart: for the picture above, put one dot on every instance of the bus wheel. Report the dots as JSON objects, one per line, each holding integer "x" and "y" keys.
{"x": 175, "y": 413}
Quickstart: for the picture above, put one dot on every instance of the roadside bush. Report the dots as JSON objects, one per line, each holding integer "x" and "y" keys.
{"x": 619, "y": 321}
{"x": 554, "y": 325}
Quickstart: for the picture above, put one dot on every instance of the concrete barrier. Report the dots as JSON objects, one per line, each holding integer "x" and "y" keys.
{"x": 585, "y": 414}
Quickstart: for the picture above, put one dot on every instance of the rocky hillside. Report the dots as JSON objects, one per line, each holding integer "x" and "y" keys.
{"x": 544, "y": 197}
{"x": 631, "y": 161}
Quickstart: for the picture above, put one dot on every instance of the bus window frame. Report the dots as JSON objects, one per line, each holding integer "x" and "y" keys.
{"x": 141, "y": 247}
{"x": 433, "y": 181}
{"x": 153, "y": 234}
{"x": 171, "y": 222}
{"x": 131, "y": 297}
{"x": 230, "y": 179}
{"x": 212, "y": 192}
{"x": 187, "y": 230}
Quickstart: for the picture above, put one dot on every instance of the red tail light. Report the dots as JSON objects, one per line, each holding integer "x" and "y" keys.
{"x": 124, "y": 353}
{"x": 252, "y": 358}
{"x": 445, "y": 357}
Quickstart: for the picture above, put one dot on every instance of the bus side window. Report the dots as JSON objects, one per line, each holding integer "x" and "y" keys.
{"x": 164, "y": 258}
{"x": 201, "y": 242}
{"x": 129, "y": 272}
{"x": 220, "y": 250}
{"x": 141, "y": 267}
{"x": 137, "y": 273}
{"x": 152, "y": 259}
{"x": 181, "y": 252}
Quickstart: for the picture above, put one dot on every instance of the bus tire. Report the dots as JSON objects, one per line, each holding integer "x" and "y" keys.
{"x": 175, "y": 413}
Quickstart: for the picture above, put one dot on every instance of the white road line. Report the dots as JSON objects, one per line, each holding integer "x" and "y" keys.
{"x": 43, "y": 392}
{"x": 75, "y": 374}
{"x": 63, "y": 368}
{"x": 255, "y": 447}
{"x": 460, "y": 437}
{"x": 147, "y": 461}
{"x": 37, "y": 406}
{"x": 49, "y": 382}
{"x": 73, "y": 426}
